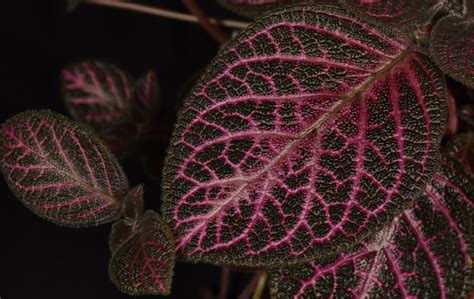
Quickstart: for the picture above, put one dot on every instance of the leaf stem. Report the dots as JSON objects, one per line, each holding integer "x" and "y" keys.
{"x": 224, "y": 283}
{"x": 165, "y": 13}
{"x": 220, "y": 36}
{"x": 255, "y": 286}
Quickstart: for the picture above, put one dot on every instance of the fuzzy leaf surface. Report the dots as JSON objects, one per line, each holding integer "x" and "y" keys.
{"x": 308, "y": 132}
{"x": 144, "y": 264}
{"x": 452, "y": 47}
{"x": 426, "y": 252}
{"x": 405, "y": 13}
{"x": 97, "y": 93}
{"x": 60, "y": 170}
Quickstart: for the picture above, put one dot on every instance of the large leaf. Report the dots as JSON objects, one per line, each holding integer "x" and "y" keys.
{"x": 144, "y": 264}
{"x": 399, "y": 13}
{"x": 452, "y": 47}
{"x": 60, "y": 170}
{"x": 97, "y": 93}
{"x": 426, "y": 252}
{"x": 308, "y": 132}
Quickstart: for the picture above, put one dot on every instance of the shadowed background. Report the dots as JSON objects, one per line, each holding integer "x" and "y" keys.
{"x": 42, "y": 260}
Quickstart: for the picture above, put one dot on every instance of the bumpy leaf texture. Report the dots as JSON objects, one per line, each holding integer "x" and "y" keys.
{"x": 462, "y": 148}
{"x": 144, "y": 264}
{"x": 60, "y": 170}
{"x": 97, "y": 93}
{"x": 399, "y": 13}
{"x": 308, "y": 132}
{"x": 452, "y": 47}
{"x": 426, "y": 252}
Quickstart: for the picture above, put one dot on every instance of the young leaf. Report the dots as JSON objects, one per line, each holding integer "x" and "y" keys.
{"x": 121, "y": 231}
{"x": 97, "y": 93}
{"x": 402, "y": 13}
{"x": 144, "y": 264}
{"x": 133, "y": 203}
{"x": 462, "y": 148}
{"x": 426, "y": 252}
{"x": 307, "y": 133}
{"x": 452, "y": 47}
{"x": 60, "y": 170}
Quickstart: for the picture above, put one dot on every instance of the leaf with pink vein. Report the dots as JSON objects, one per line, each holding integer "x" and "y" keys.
{"x": 426, "y": 252}
{"x": 145, "y": 103}
{"x": 401, "y": 13}
{"x": 60, "y": 170}
{"x": 462, "y": 148}
{"x": 452, "y": 48}
{"x": 307, "y": 133}
{"x": 97, "y": 93}
{"x": 144, "y": 264}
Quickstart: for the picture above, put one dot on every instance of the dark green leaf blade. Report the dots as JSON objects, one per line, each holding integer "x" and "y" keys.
{"x": 427, "y": 252}
{"x": 144, "y": 264}
{"x": 452, "y": 48}
{"x": 306, "y": 133}
{"x": 60, "y": 170}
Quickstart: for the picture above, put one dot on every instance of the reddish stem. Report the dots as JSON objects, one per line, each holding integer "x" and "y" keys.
{"x": 452, "y": 115}
{"x": 213, "y": 30}
{"x": 224, "y": 283}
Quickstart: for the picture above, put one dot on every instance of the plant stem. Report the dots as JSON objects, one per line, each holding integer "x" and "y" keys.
{"x": 256, "y": 286}
{"x": 224, "y": 283}
{"x": 213, "y": 30}
{"x": 165, "y": 13}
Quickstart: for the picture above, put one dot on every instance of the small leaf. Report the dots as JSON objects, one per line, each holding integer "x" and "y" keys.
{"x": 427, "y": 252}
{"x": 307, "y": 133}
{"x": 97, "y": 93}
{"x": 144, "y": 264}
{"x": 402, "y": 13}
{"x": 121, "y": 231}
{"x": 462, "y": 148}
{"x": 133, "y": 203}
{"x": 145, "y": 103}
{"x": 452, "y": 47}
{"x": 60, "y": 170}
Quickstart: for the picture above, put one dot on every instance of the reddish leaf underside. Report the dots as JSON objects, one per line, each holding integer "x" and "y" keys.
{"x": 395, "y": 13}
{"x": 60, "y": 170}
{"x": 144, "y": 264}
{"x": 306, "y": 133}
{"x": 97, "y": 93}
{"x": 452, "y": 47}
{"x": 426, "y": 252}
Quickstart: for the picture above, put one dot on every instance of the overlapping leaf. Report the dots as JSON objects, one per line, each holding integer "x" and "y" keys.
{"x": 60, "y": 170}
{"x": 144, "y": 264}
{"x": 452, "y": 47}
{"x": 426, "y": 252}
{"x": 308, "y": 132}
{"x": 132, "y": 211}
{"x": 97, "y": 93}
{"x": 146, "y": 96}
{"x": 405, "y": 13}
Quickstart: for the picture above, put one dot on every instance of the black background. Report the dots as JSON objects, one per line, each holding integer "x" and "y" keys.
{"x": 38, "y": 38}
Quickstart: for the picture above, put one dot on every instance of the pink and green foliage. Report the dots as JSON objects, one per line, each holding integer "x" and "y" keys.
{"x": 111, "y": 101}
{"x": 405, "y": 13}
{"x": 308, "y": 132}
{"x": 426, "y": 252}
{"x": 452, "y": 47}
{"x": 60, "y": 170}
{"x": 144, "y": 264}
{"x": 97, "y": 93}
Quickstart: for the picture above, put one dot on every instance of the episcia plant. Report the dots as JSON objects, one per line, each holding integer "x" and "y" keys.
{"x": 310, "y": 151}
